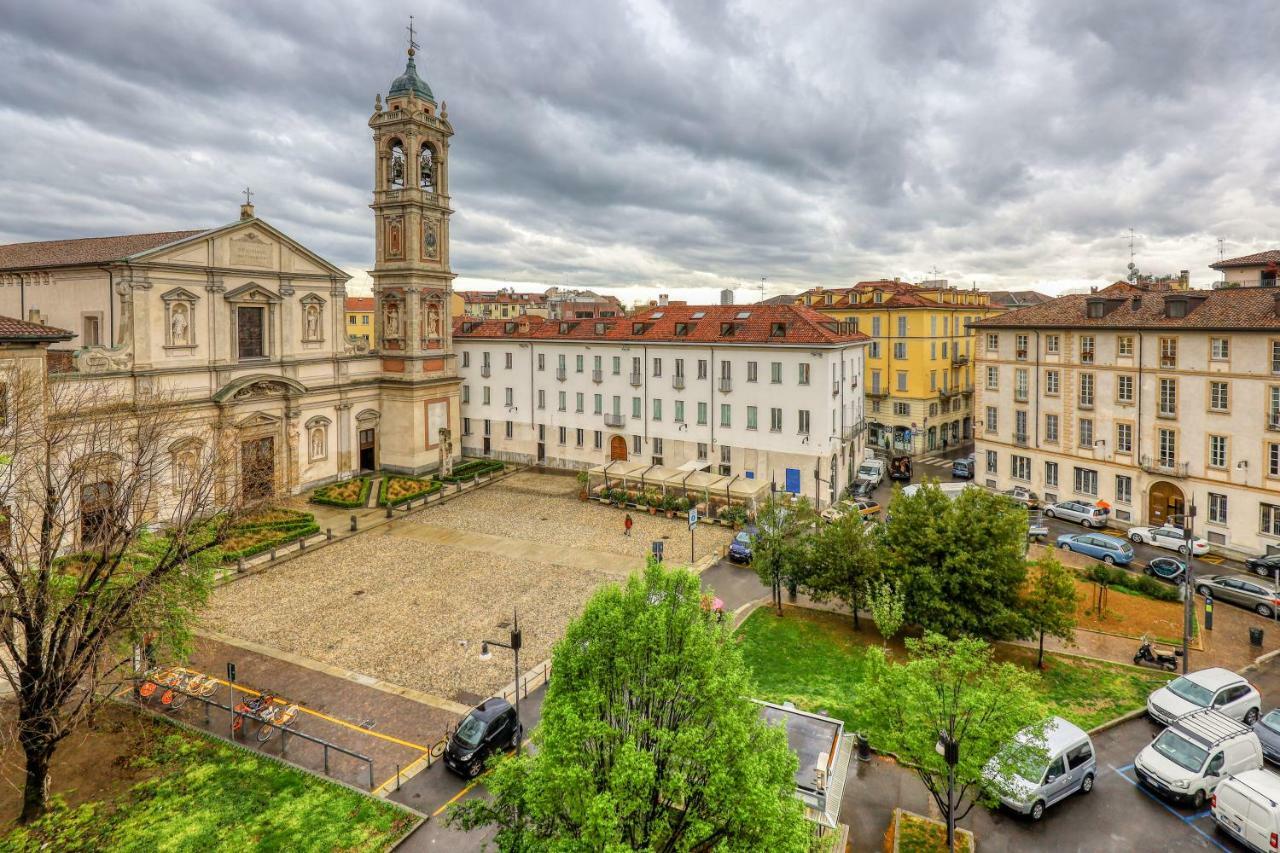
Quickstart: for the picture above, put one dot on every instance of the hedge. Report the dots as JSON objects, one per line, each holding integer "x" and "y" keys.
{"x": 429, "y": 487}
{"x": 287, "y": 537}
{"x": 319, "y": 497}
{"x": 470, "y": 470}
{"x": 1137, "y": 584}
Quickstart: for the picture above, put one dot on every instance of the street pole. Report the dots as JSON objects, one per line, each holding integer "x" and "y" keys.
{"x": 1188, "y": 600}
{"x": 515, "y": 641}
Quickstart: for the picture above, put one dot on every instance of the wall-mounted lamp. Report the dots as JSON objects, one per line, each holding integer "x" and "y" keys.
{"x": 1243, "y": 464}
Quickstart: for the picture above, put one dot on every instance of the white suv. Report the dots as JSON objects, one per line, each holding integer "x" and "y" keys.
{"x": 1217, "y": 688}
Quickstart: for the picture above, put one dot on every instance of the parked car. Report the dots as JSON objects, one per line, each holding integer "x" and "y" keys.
{"x": 1023, "y": 495}
{"x": 871, "y": 471}
{"x": 1268, "y": 731}
{"x": 1215, "y": 687}
{"x": 1090, "y": 515}
{"x": 1069, "y": 767}
{"x": 862, "y": 506}
{"x": 1247, "y": 806}
{"x": 900, "y": 468}
{"x": 962, "y": 469}
{"x": 1166, "y": 569}
{"x": 490, "y": 727}
{"x": 1265, "y": 565}
{"x": 860, "y": 489}
{"x": 1170, "y": 537}
{"x": 1108, "y": 549}
{"x": 1240, "y": 590}
{"x": 740, "y": 547}
{"x": 1187, "y": 760}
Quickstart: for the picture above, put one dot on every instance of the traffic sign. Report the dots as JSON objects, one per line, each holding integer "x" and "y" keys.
{"x": 693, "y": 517}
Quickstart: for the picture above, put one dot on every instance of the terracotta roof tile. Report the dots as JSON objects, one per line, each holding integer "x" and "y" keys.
{"x": 751, "y": 324}
{"x": 86, "y": 250}
{"x": 1271, "y": 256}
{"x": 1228, "y": 308}
{"x": 13, "y": 329}
{"x": 358, "y": 303}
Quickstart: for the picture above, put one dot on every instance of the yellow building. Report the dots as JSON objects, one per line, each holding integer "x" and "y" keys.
{"x": 919, "y": 369}
{"x": 359, "y": 311}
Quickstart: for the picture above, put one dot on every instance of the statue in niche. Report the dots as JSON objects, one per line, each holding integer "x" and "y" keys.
{"x": 317, "y": 443}
{"x": 313, "y": 322}
{"x": 429, "y": 247}
{"x": 393, "y": 320}
{"x": 179, "y": 325}
{"x": 394, "y": 237}
{"x": 426, "y": 169}
{"x": 431, "y": 324}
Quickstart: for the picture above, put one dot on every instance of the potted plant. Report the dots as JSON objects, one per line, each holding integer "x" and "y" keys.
{"x": 669, "y": 505}
{"x": 582, "y": 485}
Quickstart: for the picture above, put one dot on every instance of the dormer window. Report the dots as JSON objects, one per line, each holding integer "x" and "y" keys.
{"x": 828, "y": 298}
{"x": 777, "y": 330}
{"x": 682, "y": 330}
{"x": 726, "y": 330}
{"x": 637, "y": 328}
{"x": 600, "y": 328}
{"x": 877, "y": 296}
{"x": 1175, "y": 308}
{"x": 1095, "y": 309}
{"x": 468, "y": 327}
{"x": 564, "y": 328}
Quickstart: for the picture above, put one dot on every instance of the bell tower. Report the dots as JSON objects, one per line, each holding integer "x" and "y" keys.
{"x": 412, "y": 282}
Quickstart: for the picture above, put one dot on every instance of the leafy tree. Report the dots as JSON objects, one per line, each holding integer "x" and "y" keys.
{"x": 841, "y": 558}
{"x": 780, "y": 550}
{"x": 888, "y": 608}
{"x": 91, "y": 470}
{"x": 647, "y": 741}
{"x": 961, "y": 562}
{"x": 952, "y": 688}
{"x": 1049, "y": 601}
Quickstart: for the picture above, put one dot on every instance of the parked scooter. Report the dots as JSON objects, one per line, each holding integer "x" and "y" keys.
{"x": 1149, "y": 655}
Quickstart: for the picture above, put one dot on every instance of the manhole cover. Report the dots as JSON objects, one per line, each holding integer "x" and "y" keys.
{"x": 358, "y": 592}
{"x": 366, "y": 724}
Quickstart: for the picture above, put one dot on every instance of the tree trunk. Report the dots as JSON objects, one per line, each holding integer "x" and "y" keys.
{"x": 35, "y": 794}
{"x": 857, "y": 626}
{"x": 1040, "y": 660}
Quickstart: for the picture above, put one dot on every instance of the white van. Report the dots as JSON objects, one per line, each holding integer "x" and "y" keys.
{"x": 1069, "y": 767}
{"x": 1187, "y": 760}
{"x": 949, "y": 490}
{"x": 1247, "y": 807}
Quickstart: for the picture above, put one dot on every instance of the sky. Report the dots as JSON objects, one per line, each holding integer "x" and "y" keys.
{"x": 647, "y": 147}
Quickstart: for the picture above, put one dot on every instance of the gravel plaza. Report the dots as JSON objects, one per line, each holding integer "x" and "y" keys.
{"x": 410, "y": 601}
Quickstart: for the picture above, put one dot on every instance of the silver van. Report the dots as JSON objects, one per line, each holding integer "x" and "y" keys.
{"x": 1069, "y": 767}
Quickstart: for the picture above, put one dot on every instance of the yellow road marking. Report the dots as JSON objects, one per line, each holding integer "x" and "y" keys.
{"x": 1212, "y": 559}
{"x": 413, "y": 769}
{"x": 414, "y": 746}
{"x": 470, "y": 785}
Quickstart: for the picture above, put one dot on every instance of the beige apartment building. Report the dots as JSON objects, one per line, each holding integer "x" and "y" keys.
{"x": 1148, "y": 400}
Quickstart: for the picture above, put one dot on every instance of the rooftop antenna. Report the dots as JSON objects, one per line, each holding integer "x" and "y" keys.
{"x": 1130, "y": 247}
{"x": 1222, "y": 249}
{"x": 762, "y": 278}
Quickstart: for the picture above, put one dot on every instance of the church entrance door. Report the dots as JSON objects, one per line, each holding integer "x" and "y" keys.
{"x": 258, "y": 468}
{"x": 368, "y": 450}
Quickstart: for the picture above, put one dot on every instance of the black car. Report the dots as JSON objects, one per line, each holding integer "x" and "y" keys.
{"x": 1167, "y": 569}
{"x": 900, "y": 468}
{"x": 860, "y": 489}
{"x": 490, "y": 727}
{"x": 1265, "y": 565}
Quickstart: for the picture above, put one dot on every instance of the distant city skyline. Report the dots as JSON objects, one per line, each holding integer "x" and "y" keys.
{"x": 648, "y": 148}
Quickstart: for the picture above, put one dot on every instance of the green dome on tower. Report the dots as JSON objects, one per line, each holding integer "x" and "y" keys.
{"x": 410, "y": 82}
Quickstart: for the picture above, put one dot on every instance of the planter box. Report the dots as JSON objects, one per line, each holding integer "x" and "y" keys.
{"x": 912, "y": 833}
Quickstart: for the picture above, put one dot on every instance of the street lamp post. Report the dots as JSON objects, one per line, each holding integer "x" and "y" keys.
{"x": 1188, "y": 521}
{"x": 513, "y": 643}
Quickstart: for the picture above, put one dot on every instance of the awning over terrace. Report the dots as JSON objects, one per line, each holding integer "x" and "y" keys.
{"x": 687, "y": 480}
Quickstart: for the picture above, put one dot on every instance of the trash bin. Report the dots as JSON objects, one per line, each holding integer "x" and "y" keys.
{"x": 1255, "y": 636}
{"x": 864, "y": 747}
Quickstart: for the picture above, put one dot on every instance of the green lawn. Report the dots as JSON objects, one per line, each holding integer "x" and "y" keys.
{"x": 815, "y": 660}
{"x": 207, "y": 795}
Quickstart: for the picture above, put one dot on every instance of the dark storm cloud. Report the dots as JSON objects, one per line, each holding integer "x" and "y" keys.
{"x": 683, "y": 145}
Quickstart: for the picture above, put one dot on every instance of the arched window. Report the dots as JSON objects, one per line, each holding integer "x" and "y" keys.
{"x": 396, "y": 167}
{"x": 427, "y": 167}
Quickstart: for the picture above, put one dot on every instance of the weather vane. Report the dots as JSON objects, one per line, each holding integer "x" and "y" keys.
{"x": 412, "y": 44}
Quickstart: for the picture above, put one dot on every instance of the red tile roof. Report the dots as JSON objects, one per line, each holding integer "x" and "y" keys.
{"x": 750, "y": 324}
{"x": 501, "y": 296}
{"x": 1271, "y": 256}
{"x": 12, "y": 330}
{"x": 358, "y": 303}
{"x": 1240, "y": 308}
{"x": 83, "y": 251}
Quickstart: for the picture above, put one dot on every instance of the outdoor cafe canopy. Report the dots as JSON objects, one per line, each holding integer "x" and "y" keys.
{"x": 689, "y": 479}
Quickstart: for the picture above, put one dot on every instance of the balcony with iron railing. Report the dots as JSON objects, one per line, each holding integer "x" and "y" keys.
{"x": 726, "y": 384}
{"x": 562, "y": 373}
{"x": 597, "y": 376}
{"x": 959, "y": 360}
{"x": 636, "y": 380}
{"x": 1020, "y": 439}
{"x": 485, "y": 370}
{"x": 677, "y": 382}
{"x": 877, "y": 393}
{"x": 1020, "y": 395}
{"x": 947, "y": 393}
{"x": 1164, "y": 467}
{"x": 613, "y": 419}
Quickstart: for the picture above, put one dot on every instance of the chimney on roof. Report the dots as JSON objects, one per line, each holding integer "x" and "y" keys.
{"x": 1184, "y": 279}
{"x": 1137, "y": 300}
{"x": 662, "y": 300}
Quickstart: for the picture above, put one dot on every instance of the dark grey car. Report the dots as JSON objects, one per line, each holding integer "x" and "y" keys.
{"x": 1237, "y": 590}
{"x": 1268, "y": 731}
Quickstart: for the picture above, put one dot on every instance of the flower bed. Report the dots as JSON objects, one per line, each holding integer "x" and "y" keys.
{"x": 398, "y": 490}
{"x": 911, "y": 833}
{"x": 349, "y": 494}
{"x": 472, "y": 469}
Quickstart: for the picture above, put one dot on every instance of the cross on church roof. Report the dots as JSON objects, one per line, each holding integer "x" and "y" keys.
{"x": 412, "y": 44}
{"x": 248, "y": 195}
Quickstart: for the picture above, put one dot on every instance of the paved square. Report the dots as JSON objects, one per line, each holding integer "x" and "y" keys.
{"x": 398, "y": 602}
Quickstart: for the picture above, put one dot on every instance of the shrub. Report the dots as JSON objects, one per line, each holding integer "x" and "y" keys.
{"x": 1136, "y": 584}
{"x": 473, "y": 468}
{"x": 406, "y": 488}
{"x": 335, "y": 494}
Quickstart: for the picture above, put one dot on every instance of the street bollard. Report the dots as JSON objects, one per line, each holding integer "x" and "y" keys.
{"x": 390, "y": 510}
{"x": 273, "y": 554}
{"x": 353, "y": 524}
{"x": 1208, "y": 612}
{"x": 328, "y": 534}
{"x": 240, "y": 564}
{"x": 302, "y": 543}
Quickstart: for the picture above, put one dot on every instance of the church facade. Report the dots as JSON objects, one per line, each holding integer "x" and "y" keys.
{"x": 245, "y": 327}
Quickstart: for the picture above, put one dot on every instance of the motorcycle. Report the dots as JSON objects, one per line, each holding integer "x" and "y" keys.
{"x": 1148, "y": 655}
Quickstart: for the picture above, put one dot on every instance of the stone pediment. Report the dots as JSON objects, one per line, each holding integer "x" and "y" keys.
{"x": 179, "y": 294}
{"x": 257, "y": 420}
{"x": 258, "y": 386}
{"x": 251, "y": 245}
{"x": 251, "y": 292}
